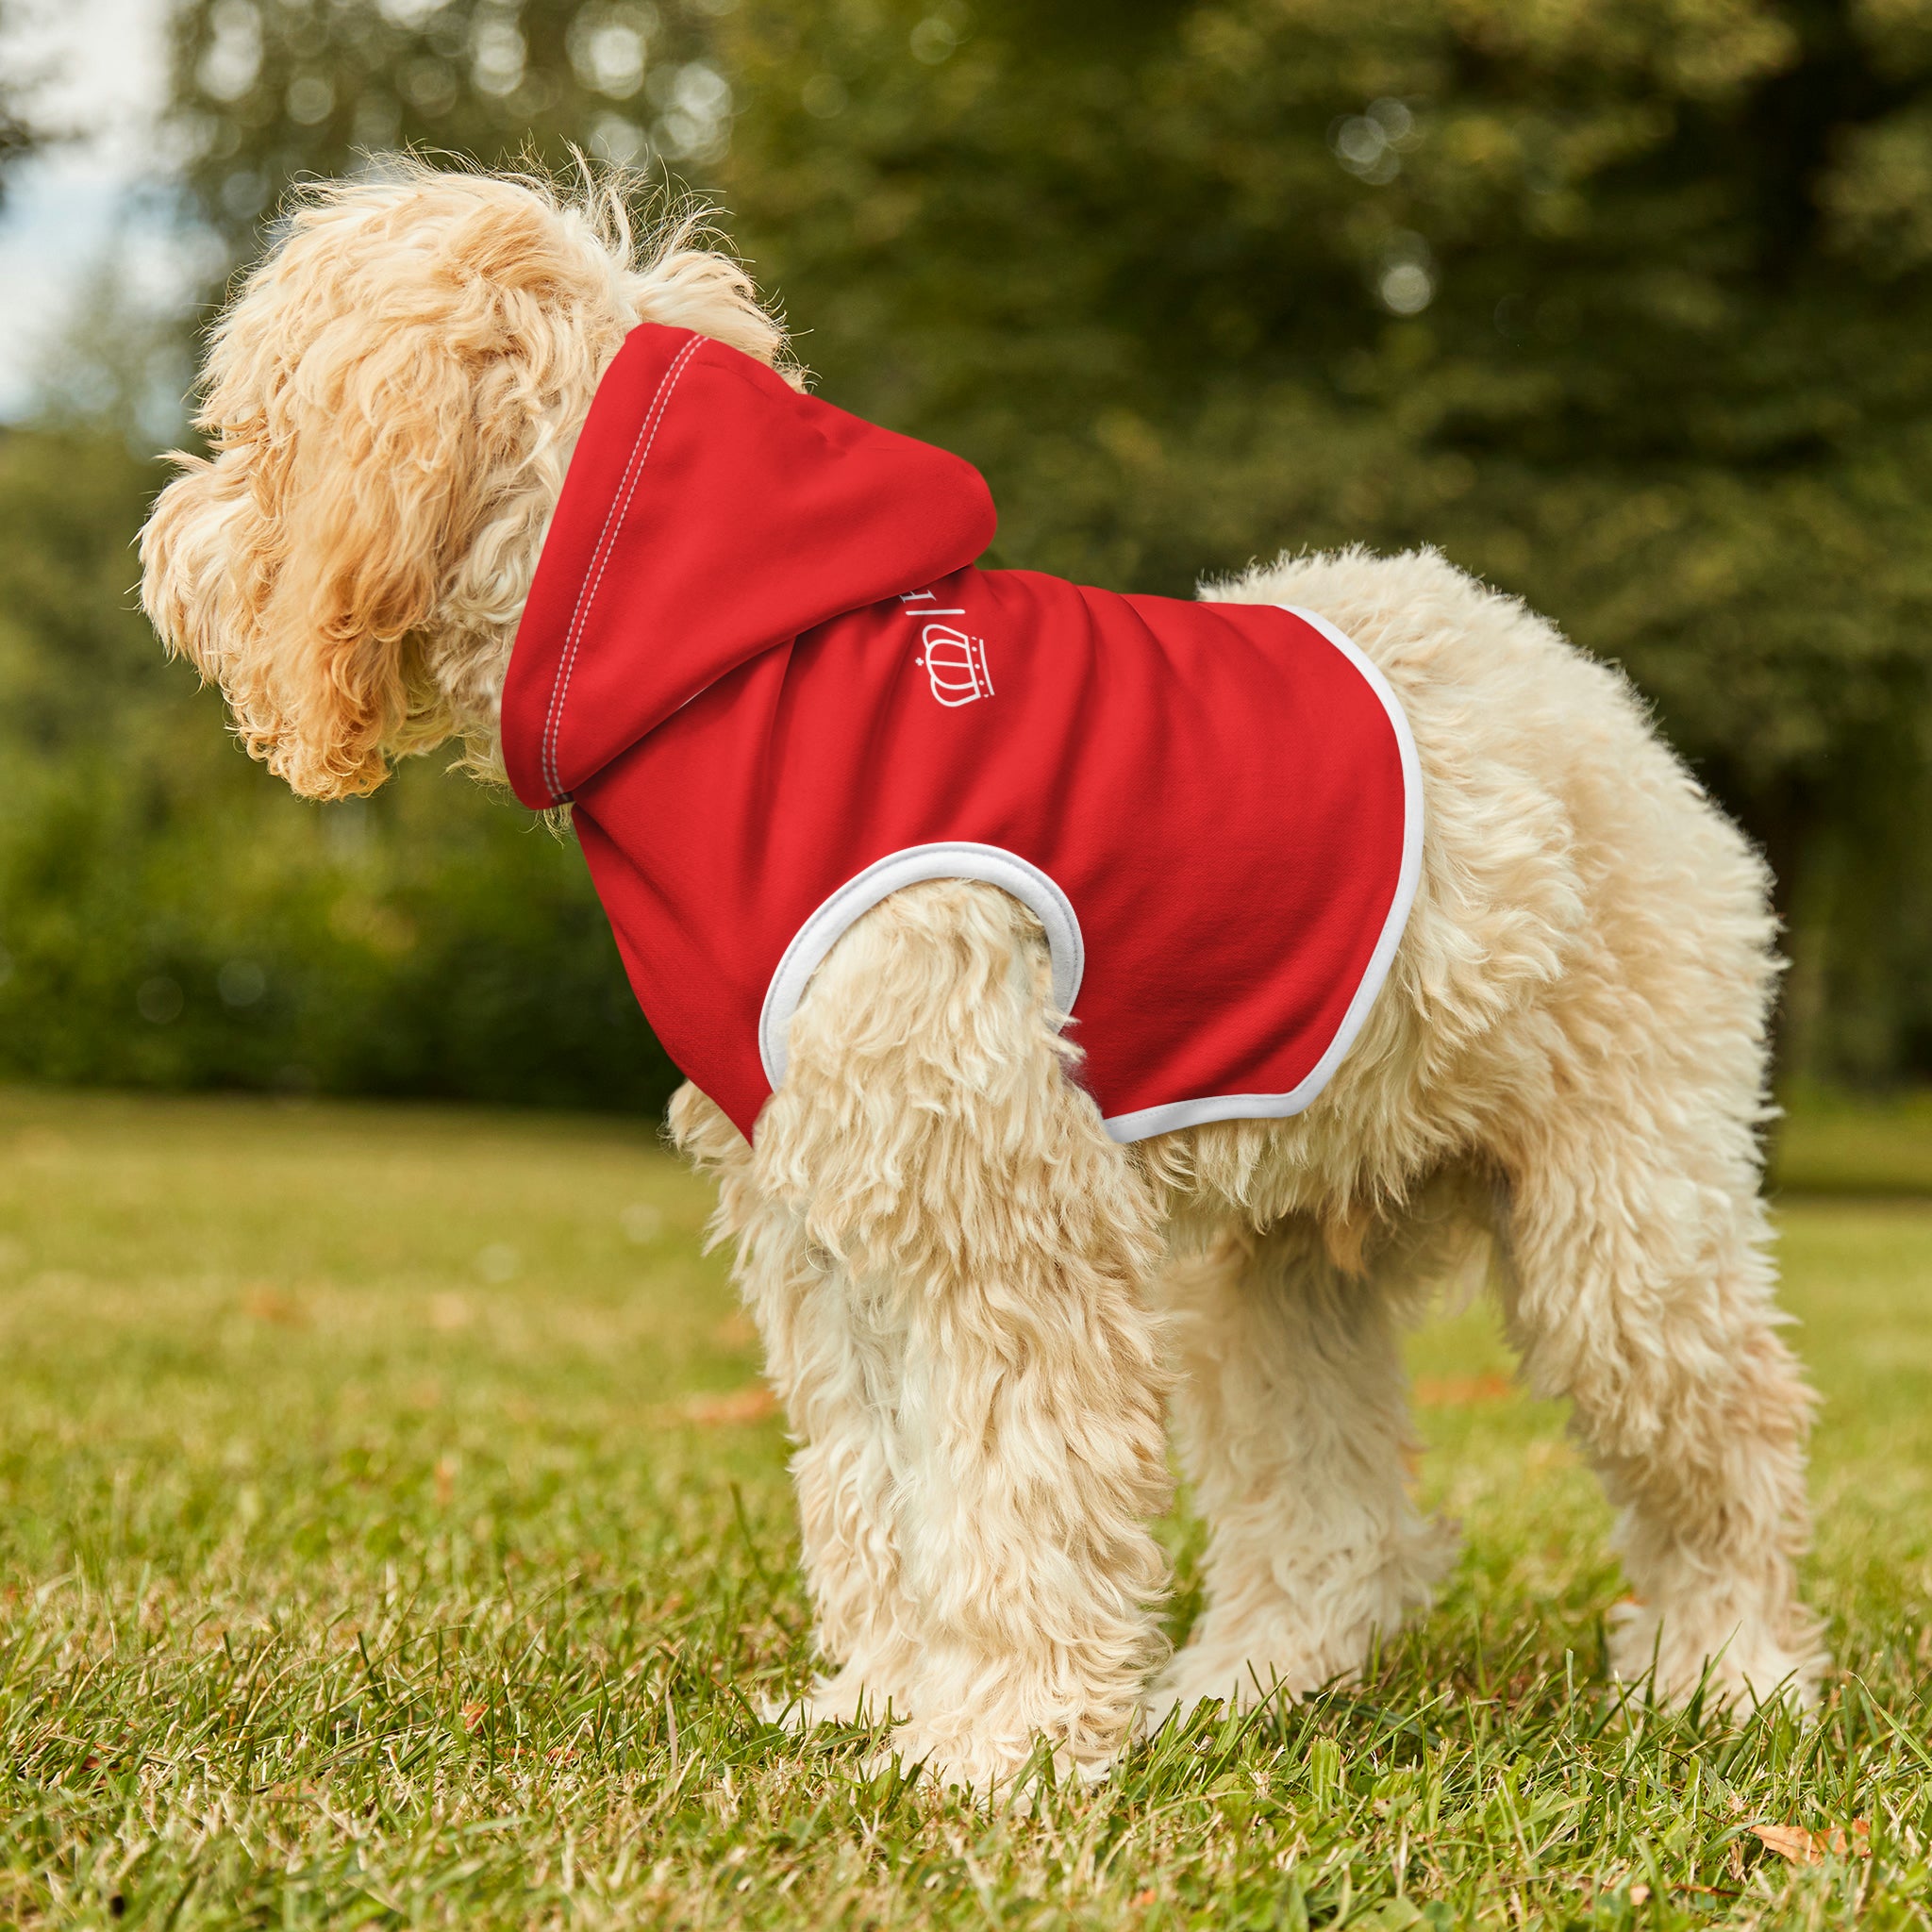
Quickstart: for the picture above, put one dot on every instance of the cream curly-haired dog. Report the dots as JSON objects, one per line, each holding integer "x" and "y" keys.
{"x": 977, "y": 1305}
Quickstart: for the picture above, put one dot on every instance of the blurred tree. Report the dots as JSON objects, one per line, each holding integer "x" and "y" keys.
{"x": 1623, "y": 303}
{"x": 19, "y": 134}
{"x": 266, "y": 90}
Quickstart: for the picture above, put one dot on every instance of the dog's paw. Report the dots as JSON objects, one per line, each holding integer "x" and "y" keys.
{"x": 1281, "y": 1669}
{"x": 847, "y": 1698}
{"x": 1287, "y": 1644}
{"x": 1738, "y": 1664}
{"x": 1238, "y": 1684}
{"x": 989, "y": 1770}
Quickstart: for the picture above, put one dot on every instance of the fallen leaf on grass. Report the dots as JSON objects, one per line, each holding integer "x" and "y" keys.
{"x": 1803, "y": 1847}
{"x": 751, "y": 1405}
{"x": 473, "y": 1715}
{"x": 1459, "y": 1391}
{"x": 264, "y": 1303}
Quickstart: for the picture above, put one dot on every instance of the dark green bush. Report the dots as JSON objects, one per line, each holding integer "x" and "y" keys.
{"x": 171, "y": 917}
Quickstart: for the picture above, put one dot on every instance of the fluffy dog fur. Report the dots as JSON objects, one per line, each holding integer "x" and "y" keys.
{"x": 975, "y": 1306}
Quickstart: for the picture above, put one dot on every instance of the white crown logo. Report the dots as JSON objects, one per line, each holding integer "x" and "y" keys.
{"x": 954, "y": 665}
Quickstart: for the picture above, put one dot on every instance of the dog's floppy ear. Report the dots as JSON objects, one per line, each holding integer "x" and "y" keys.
{"x": 197, "y": 547}
{"x": 391, "y": 401}
{"x": 373, "y": 394}
{"x": 299, "y": 566}
{"x": 373, "y": 471}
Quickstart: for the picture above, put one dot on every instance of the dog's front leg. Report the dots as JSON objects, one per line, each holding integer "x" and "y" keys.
{"x": 834, "y": 1367}
{"x": 994, "y": 1245}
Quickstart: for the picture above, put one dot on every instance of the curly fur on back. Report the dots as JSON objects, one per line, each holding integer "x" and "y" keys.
{"x": 975, "y": 1305}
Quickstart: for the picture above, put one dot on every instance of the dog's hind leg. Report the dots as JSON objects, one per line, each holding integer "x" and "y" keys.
{"x": 1291, "y": 1417}
{"x": 1641, "y": 1290}
{"x": 994, "y": 1246}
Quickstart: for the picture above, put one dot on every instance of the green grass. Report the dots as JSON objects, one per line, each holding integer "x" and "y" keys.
{"x": 379, "y": 1543}
{"x": 1837, "y": 1145}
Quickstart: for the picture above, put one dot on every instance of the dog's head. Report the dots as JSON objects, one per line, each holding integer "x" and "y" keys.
{"x": 391, "y": 402}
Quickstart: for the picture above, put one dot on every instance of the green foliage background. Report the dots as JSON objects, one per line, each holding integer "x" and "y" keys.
{"x": 1625, "y": 304}
{"x": 170, "y": 917}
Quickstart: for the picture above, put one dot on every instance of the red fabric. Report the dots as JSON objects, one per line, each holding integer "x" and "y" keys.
{"x": 729, "y": 662}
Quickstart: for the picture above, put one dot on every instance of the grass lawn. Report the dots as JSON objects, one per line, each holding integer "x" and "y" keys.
{"x": 391, "y": 1531}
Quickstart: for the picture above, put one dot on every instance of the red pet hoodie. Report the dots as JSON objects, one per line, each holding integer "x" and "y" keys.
{"x": 759, "y": 660}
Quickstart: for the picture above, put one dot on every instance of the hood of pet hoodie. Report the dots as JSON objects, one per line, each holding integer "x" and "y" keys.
{"x": 758, "y": 661}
